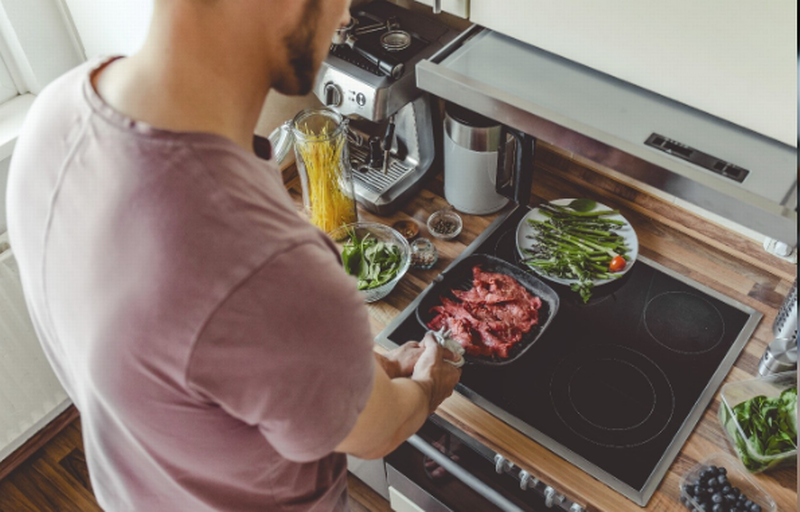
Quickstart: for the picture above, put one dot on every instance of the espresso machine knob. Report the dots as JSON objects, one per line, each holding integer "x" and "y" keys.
{"x": 333, "y": 95}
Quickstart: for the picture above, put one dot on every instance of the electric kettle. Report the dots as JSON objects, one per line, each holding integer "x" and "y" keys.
{"x": 485, "y": 163}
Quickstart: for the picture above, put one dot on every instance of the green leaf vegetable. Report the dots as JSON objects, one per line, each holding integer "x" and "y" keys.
{"x": 582, "y": 205}
{"x": 770, "y": 426}
{"x": 372, "y": 262}
{"x": 577, "y": 243}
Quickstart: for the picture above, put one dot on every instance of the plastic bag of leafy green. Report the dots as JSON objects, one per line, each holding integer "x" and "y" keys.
{"x": 763, "y": 430}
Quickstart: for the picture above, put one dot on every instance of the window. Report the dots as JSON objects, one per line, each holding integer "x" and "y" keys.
{"x": 38, "y": 43}
{"x": 8, "y": 89}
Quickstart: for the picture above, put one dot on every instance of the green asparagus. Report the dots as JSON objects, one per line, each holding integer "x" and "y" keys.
{"x": 582, "y": 245}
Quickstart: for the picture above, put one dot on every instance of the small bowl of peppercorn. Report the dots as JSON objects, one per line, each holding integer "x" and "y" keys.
{"x": 445, "y": 224}
{"x": 423, "y": 254}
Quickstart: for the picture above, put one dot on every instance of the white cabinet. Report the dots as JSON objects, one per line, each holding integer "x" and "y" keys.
{"x": 733, "y": 59}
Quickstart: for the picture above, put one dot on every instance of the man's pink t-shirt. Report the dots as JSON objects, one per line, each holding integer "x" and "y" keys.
{"x": 215, "y": 348}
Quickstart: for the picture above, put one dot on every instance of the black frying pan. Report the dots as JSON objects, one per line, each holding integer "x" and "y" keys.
{"x": 460, "y": 277}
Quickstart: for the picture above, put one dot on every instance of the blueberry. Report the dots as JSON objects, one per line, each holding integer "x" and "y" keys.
{"x": 718, "y": 508}
{"x": 748, "y": 504}
{"x": 755, "y": 507}
{"x": 698, "y": 491}
{"x": 730, "y": 498}
{"x": 717, "y": 498}
{"x": 722, "y": 479}
{"x": 722, "y": 471}
{"x": 726, "y": 489}
{"x": 736, "y": 491}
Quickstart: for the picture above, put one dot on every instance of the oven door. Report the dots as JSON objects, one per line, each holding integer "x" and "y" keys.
{"x": 438, "y": 470}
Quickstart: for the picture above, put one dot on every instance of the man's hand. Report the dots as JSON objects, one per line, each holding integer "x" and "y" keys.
{"x": 434, "y": 373}
{"x": 400, "y": 361}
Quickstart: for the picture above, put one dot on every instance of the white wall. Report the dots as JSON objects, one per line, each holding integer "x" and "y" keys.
{"x": 3, "y": 182}
{"x": 111, "y": 27}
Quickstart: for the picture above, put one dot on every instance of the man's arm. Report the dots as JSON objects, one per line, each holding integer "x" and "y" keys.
{"x": 398, "y": 407}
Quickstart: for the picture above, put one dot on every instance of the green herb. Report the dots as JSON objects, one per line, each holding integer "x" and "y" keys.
{"x": 770, "y": 426}
{"x": 583, "y": 205}
{"x": 576, "y": 244}
{"x": 372, "y": 262}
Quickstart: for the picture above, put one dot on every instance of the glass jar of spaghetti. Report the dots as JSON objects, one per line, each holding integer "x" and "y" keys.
{"x": 323, "y": 162}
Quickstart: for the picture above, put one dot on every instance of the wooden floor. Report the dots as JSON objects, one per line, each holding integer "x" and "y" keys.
{"x": 55, "y": 479}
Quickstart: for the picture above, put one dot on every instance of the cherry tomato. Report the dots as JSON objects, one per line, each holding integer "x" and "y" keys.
{"x": 617, "y": 264}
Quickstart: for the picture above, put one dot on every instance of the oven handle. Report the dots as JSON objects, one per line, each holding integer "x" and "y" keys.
{"x": 462, "y": 474}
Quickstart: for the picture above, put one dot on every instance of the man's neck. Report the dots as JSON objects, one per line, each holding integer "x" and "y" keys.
{"x": 181, "y": 81}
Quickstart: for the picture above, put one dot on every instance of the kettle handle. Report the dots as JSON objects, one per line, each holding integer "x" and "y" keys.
{"x": 519, "y": 188}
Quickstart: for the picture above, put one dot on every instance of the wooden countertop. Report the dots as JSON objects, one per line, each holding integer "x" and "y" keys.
{"x": 699, "y": 249}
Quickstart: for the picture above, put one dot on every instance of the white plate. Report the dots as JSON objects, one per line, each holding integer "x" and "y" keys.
{"x": 524, "y": 230}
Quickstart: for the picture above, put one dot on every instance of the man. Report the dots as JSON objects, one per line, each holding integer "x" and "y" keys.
{"x": 219, "y": 356}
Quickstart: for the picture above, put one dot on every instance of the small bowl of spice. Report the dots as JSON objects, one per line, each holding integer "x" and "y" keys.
{"x": 423, "y": 254}
{"x": 408, "y": 228}
{"x": 445, "y": 224}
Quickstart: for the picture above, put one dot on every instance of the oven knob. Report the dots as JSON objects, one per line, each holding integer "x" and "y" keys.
{"x": 526, "y": 481}
{"x": 501, "y": 464}
{"x": 333, "y": 95}
{"x": 551, "y": 497}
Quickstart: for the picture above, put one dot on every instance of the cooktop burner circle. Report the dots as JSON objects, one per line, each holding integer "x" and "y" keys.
{"x": 506, "y": 246}
{"x": 596, "y": 406}
{"x": 612, "y": 396}
{"x": 683, "y": 322}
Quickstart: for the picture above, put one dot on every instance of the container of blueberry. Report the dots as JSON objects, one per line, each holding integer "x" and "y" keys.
{"x": 718, "y": 485}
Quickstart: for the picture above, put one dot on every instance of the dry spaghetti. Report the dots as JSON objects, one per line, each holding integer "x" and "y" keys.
{"x": 329, "y": 200}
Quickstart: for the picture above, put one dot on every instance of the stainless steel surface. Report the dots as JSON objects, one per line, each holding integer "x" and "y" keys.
{"x": 608, "y": 121}
{"x": 414, "y": 492}
{"x": 437, "y": 6}
{"x": 780, "y": 356}
{"x": 483, "y": 140}
{"x": 341, "y": 34}
{"x": 527, "y": 482}
{"x": 785, "y": 325}
{"x": 382, "y": 192}
{"x": 396, "y": 40}
{"x": 502, "y": 465}
{"x": 641, "y": 498}
{"x": 374, "y": 97}
{"x": 369, "y": 99}
{"x": 463, "y": 475}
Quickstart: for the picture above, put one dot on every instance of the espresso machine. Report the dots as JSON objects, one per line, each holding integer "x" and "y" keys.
{"x": 369, "y": 76}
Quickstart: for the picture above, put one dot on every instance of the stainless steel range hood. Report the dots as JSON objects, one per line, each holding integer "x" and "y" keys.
{"x": 738, "y": 174}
